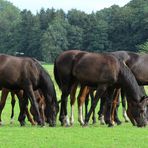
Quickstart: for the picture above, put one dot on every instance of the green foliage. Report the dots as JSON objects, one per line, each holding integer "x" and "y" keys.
{"x": 9, "y": 19}
{"x": 49, "y": 32}
{"x": 143, "y": 48}
{"x": 54, "y": 40}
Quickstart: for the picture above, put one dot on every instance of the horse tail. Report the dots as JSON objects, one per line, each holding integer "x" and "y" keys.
{"x": 56, "y": 74}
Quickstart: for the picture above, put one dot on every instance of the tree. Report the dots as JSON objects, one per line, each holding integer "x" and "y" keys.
{"x": 29, "y": 35}
{"x": 75, "y": 37}
{"x": 54, "y": 40}
{"x": 9, "y": 19}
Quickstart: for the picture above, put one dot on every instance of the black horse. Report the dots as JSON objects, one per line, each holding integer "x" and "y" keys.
{"x": 86, "y": 69}
{"x": 24, "y": 73}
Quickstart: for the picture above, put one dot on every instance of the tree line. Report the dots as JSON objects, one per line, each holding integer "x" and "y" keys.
{"x": 47, "y": 33}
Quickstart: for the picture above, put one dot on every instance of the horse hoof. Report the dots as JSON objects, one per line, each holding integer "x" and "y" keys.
{"x": 82, "y": 124}
{"x": 102, "y": 123}
{"x": 119, "y": 122}
{"x": 85, "y": 124}
{"x": 71, "y": 123}
{"x": 1, "y": 123}
{"x": 67, "y": 125}
{"x": 94, "y": 122}
{"x": 12, "y": 121}
{"x": 110, "y": 125}
{"x": 52, "y": 125}
{"x": 22, "y": 123}
{"x": 33, "y": 123}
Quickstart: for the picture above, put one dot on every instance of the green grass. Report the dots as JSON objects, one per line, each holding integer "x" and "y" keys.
{"x": 94, "y": 136}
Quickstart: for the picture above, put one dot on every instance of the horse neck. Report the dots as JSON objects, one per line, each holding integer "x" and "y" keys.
{"x": 46, "y": 85}
{"x": 129, "y": 83}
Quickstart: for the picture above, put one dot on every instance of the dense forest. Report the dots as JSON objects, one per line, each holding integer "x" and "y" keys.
{"x": 47, "y": 33}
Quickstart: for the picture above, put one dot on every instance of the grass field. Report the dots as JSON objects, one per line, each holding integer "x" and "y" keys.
{"x": 94, "y": 136}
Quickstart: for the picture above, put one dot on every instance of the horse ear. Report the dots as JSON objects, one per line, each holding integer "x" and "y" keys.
{"x": 144, "y": 101}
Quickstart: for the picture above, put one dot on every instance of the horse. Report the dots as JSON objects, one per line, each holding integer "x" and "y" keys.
{"x": 105, "y": 72}
{"x": 62, "y": 72}
{"x": 24, "y": 73}
{"x": 138, "y": 65}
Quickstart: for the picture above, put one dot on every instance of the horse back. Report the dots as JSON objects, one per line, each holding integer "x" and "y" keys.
{"x": 16, "y": 70}
{"x": 138, "y": 64}
{"x": 96, "y": 68}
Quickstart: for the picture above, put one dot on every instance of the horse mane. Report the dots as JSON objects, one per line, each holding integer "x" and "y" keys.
{"x": 128, "y": 82}
{"x": 45, "y": 78}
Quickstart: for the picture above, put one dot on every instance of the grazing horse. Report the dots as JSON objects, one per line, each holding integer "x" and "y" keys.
{"x": 105, "y": 72}
{"x": 66, "y": 78}
{"x": 138, "y": 65}
{"x": 22, "y": 73}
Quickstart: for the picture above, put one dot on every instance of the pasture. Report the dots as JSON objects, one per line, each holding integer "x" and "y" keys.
{"x": 125, "y": 135}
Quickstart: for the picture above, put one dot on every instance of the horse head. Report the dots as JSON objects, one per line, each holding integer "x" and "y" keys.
{"x": 138, "y": 111}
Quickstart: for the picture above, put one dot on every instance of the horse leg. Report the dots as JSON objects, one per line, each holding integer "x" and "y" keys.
{"x": 109, "y": 101}
{"x": 100, "y": 92}
{"x": 72, "y": 101}
{"x": 86, "y": 104}
{"x": 30, "y": 119}
{"x": 116, "y": 118}
{"x": 22, "y": 104}
{"x": 12, "y": 104}
{"x": 101, "y": 111}
{"x": 42, "y": 108}
{"x": 3, "y": 101}
{"x": 35, "y": 105}
{"x": 20, "y": 98}
{"x": 63, "y": 112}
{"x": 81, "y": 98}
{"x": 123, "y": 100}
{"x": 92, "y": 98}
{"x": 114, "y": 107}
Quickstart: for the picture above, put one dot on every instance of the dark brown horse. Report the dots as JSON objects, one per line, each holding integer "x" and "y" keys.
{"x": 138, "y": 65}
{"x": 87, "y": 68}
{"x": 20, "y": 73}
{"x": 62, "y": 72}
{"x": 106, "y": 73}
